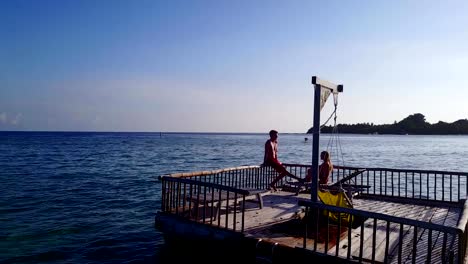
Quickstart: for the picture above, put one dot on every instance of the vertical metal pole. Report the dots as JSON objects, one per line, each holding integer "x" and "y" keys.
{"x": 315, "y": 144}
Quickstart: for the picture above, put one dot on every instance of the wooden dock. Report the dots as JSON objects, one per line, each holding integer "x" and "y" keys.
{"x": 400, "y": 224}
{"x": 281, "y": 207}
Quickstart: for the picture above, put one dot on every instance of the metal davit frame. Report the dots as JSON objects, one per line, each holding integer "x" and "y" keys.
{"x": 334, "y": 88}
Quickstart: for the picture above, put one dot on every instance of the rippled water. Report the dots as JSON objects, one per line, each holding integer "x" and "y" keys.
{"x": 92, "y": 197}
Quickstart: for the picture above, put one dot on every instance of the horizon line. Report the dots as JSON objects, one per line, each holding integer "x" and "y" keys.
{"x": 156, "y": 132}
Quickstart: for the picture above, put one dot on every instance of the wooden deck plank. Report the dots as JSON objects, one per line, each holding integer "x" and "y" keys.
{"x": 381, "y": 234}
{"x": 277, "y": 207}
{"x": 409, "y": 238}
{"x": 427, "y": 214}
{"x": 393, "y": 231}
{"x": 450, "y": 219}
{"x": 430, "y": 214}
{"x": 423, "y": 248}
{"x": 282, "y": 206}
{"x": 389, "y": 209}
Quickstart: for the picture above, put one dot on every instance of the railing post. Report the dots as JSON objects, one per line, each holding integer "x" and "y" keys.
{"x": 163, "y": 195}
{"x": 243, "y": 214}
{"x": 461, "y": 246}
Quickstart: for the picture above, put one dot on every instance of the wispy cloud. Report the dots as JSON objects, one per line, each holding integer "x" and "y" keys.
{"x": 6, "y": 118}
{"x": 17, "y": 119}
{"x": 96, "y": 120}
{"x": 3, "y": 118}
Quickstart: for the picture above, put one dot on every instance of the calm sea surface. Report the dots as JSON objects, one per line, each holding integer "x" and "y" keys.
{"x": 92, "y": 197}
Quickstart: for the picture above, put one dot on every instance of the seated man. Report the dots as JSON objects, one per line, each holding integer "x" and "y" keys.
{"x": 271, "y": 159}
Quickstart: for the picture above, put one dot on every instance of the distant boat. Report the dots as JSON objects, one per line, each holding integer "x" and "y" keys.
{"x": 306, "y": 138}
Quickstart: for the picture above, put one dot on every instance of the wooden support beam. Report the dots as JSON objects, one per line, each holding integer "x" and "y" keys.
{"x": 336, "y": 88}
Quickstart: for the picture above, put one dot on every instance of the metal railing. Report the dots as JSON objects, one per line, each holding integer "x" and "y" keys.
{"x": 244, "y": 177}
{"x": 430, "y": 185}
{"x": 218, "y": 197}
{"x": 214, "y": 197}
{"x": 203, "y": 202}
{"x": 408, "y": 233}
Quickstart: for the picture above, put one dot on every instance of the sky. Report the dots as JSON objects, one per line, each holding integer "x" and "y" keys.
{"x": 228, "y": 66}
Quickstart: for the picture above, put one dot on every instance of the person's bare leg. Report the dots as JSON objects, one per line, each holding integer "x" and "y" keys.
{"x": 273, "y": 183}
{"x": 295, "y": 177}
{"x": 272, "y": 187}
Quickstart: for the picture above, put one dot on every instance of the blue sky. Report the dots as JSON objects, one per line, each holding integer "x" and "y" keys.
{"x": 227, "y": 66}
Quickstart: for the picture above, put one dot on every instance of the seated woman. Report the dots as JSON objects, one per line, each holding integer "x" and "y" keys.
{"x": 324, "y": 169}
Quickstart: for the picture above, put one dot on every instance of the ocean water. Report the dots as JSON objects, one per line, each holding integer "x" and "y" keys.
{"x": 92, "y": 197}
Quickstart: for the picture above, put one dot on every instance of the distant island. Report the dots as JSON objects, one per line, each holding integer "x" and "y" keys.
{"x": 412, "y": 125}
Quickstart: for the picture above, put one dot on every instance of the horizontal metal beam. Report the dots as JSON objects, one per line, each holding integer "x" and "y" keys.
{"x": 336, "y": 88}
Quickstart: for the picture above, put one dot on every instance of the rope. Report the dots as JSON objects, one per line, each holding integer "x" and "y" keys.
{"x": 324, "y": 124}
{"x": 335, "y": 103}
{"x": 334, "y": 142}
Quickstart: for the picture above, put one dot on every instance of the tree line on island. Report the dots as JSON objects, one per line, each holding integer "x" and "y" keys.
{"x": 412, "y": 125}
